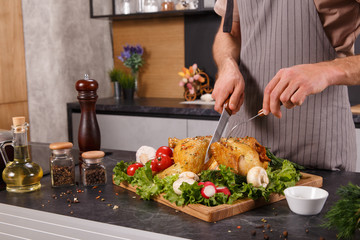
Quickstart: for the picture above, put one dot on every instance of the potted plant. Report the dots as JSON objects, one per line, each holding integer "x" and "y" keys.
{"x": 132, "y": 57}
{"x": 127, "y": 83}
{"x": 115, "y": 75}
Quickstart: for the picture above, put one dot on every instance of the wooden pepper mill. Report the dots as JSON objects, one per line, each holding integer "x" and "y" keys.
{"x": 89, "y": 133}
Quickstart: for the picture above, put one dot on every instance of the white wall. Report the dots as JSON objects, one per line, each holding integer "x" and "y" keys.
{"x": 61, "y": 44}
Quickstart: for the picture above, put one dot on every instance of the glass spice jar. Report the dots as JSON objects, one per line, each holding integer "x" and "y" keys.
{"x": 93, "y": 169}
{"x": 62, "y": 167}
{"x": 167, "y": 5}
{"x": 150, "y": 6}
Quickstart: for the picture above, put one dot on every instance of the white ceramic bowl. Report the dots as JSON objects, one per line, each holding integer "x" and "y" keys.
{"x": 305, "y": 200}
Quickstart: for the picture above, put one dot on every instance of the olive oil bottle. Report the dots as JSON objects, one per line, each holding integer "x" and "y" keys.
{"x": 21, "y": 175}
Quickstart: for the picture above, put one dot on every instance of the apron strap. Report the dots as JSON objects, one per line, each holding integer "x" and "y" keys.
{"x": 228, "y": 16}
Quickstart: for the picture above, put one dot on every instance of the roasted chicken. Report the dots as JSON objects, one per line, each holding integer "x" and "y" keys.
{"x": 241, "y": 154}
{"x": 189, "y": 155}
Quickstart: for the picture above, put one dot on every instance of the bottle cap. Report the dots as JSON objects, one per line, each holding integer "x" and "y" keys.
{"x": 18, "y": 121}
{"x": 18, "y": 124}
{"x": 93, "y": 154}
{"x": 60, "y": 145}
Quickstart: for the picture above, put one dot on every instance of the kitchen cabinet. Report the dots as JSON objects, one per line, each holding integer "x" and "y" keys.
{"x": 131, "y": 132}
{"x": 145, "y": 121}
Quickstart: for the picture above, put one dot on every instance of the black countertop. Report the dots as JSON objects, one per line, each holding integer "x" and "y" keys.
{"x": 97, "y": 204}
{"x": 154, "y": 107}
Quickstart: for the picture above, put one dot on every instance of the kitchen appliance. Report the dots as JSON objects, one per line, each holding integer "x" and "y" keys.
{"x": 6, "y": 153}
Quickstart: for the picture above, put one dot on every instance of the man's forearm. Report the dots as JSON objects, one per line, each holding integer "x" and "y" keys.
{"x": 227, "y": 46}
{"x": 347, "y": 71}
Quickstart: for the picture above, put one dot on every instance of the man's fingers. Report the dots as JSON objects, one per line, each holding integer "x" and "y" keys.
{"x": 275, "y": 97}
{"x": 287, "y": 94}
{"x": 268, "y": 91}
{"x": 236, "y": 98}
{"x": 220, "y": 98}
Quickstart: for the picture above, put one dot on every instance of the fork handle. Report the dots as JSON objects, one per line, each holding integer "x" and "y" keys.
{"x": 261, "y": 111}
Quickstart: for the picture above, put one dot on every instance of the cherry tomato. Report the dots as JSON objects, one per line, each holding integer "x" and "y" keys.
{"x": 154, "y": 166}
{"x": 163, "y": 162}
{"x": 164, "y": 150}
{"x": 132, "y": 168}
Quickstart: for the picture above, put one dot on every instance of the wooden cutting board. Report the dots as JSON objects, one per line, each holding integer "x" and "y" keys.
{"x": 213, "y": 214}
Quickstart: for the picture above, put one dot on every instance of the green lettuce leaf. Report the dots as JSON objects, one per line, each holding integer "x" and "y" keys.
{"x": 147, "y": 185}
{"x": 120, "y": 174}
{"x": 281, "y": 176}
{"x": 284, "y": 177}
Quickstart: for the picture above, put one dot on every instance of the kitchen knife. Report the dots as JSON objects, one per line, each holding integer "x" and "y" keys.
{"x": 225, "y": 115}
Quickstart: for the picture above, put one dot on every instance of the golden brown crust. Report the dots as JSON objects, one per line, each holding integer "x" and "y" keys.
{"x": 189, "y": 155}
{"x": 253, "y": 143}
{"x": 241, "y": 154}
{"x": 235, "y": 153}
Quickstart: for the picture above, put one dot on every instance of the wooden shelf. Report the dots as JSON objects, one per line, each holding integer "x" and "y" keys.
{"x": 160, "y": 14}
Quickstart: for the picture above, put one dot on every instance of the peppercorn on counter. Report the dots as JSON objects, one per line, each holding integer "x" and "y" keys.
{"x": 111, "y": 208}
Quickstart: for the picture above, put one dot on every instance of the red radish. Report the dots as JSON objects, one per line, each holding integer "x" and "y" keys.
{"x": 208, "y": 190}
{"x": 223, "y": 190}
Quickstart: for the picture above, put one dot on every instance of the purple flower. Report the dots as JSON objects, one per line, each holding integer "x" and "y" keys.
{"x": 139, "y": 50}
{"x": 125, "y": 54}
{"x": 127, "y": 48}
{"x": 131, "y": 56}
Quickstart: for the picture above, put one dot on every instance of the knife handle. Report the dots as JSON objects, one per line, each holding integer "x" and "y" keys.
{"x": 226, "y": 106}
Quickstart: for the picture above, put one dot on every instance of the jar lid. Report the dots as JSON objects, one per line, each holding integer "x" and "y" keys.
{"x": 93, "y": 154}
{"x": 18, "y": 124}
{"x": 60, "y": 145}
{"x": 18, "y": 121}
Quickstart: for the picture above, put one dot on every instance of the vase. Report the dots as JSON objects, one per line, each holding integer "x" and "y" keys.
{"x": 136, "y": 77}
{"x": 128, "y": 93}
{"x": 117, "y": 90}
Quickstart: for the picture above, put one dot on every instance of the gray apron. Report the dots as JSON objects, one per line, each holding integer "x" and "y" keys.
{"x": 281, "y": 33}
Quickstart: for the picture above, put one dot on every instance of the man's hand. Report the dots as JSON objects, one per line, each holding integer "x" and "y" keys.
{"x": 292, "y": 85}
{"x": 230, "y": 83}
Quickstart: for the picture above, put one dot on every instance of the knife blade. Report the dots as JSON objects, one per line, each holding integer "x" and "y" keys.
{"x": 225, "y": 115}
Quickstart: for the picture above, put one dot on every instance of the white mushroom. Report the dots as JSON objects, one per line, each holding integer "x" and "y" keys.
{"x": 189, "y": 175}
{"x": 177, "y": 184}
{"x": 258, "y": 177}
{"x": 144, "y": 154}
